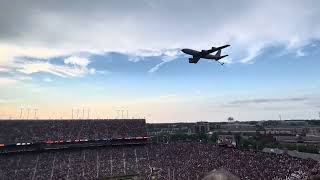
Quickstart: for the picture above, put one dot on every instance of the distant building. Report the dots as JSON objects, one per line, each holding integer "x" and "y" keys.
{"x": 286, "y": 130}
{"x": 169, "y": 128}
{"x": 202, "y": 127}
{"x": 298, "y": 139}
{"x": 295, "y": 122}
{"x": 313, "y": 131}
{"x": 237, "y": 127}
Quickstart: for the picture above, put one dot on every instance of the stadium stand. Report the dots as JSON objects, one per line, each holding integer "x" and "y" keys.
{"x": 27, "y": 131}
{"x": 119, "y": 159}
{"x": 159, "y": 161}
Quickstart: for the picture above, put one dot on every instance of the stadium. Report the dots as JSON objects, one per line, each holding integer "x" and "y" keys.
{"x": 159, "y": 90}
{"x": 121, "y": 149}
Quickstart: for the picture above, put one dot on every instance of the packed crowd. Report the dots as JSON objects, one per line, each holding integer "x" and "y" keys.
{"x": 161, "y": 161}
{"x": 12, "y": 131}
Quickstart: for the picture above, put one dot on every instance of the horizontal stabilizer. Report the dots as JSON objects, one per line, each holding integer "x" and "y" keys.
{"x": 223, "y": 56}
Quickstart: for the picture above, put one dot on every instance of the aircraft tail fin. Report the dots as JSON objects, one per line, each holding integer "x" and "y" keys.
{"x": 218, "y": 53}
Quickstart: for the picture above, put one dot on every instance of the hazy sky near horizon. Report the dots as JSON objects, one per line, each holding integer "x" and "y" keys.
{"x": 56, "y": 56}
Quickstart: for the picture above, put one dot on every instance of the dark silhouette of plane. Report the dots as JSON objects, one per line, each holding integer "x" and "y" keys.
{"x": 205, "y": 54}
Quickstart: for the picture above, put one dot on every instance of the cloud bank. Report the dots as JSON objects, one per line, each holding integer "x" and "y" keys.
{"x": 49, "y": 28}
{"x": 271, "y": 100}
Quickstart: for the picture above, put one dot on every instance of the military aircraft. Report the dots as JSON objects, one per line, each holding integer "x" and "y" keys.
{"x": 205, "y": 54}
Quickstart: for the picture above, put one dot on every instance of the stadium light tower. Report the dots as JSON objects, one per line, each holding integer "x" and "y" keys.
{"x": 118, "y": 112}
{"x": 35, "y": 113}
{"x": 77, "y": 113}
{"x": 122, "y": 113}
{"x": 21, "y": 109}
{"x": 28, "y": 113}
{"x": 127, "y": 114}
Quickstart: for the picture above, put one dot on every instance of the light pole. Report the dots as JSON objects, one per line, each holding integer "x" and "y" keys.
{"x": 28, "y": 113}
{"x": 118, "y": 112}
{"x": 35, "y": 113}
{"x": 21, "y": 109}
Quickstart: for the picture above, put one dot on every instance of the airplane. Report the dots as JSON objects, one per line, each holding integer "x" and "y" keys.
{"x": 205, "y": 54}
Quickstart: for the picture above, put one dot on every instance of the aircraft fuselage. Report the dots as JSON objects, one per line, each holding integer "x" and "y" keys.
{"x": 205, "y": 54}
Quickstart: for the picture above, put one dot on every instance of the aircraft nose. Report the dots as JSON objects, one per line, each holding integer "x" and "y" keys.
{"x": 183, "y": 50}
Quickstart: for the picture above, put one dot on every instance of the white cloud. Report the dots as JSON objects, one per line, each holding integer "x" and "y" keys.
{"x": 10, "y": 51}
{"x": 83, "y": 62}
{"x": 300, "y": 53}
{"x": 135, "y": 58}
{"x": 249, "y": 26}
{"x": 92, "y": 71}
{"x": 47, "y": 79}
{"x": 58, "y": 70}
{"x": 156, "y": 67}
{"x": 167, "y": 56}
{"x": 145, "y": 53}
{"x": 253, "y": 52}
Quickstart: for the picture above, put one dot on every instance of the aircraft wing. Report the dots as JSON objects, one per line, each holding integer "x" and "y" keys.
{"x": 194, "y": 60}
{"x": 213, "y": 49}
{"x": 222, "y": 47}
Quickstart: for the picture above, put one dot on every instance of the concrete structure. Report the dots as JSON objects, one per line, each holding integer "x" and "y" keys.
{"x": 202, "y": 127}
{"x": 298, "y": 154}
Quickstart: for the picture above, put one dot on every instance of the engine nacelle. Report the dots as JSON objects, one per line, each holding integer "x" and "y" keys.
{"x": 191, "y": 60}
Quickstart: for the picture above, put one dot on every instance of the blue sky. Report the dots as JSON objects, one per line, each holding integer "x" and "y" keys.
{"x": 61, "y": 56}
